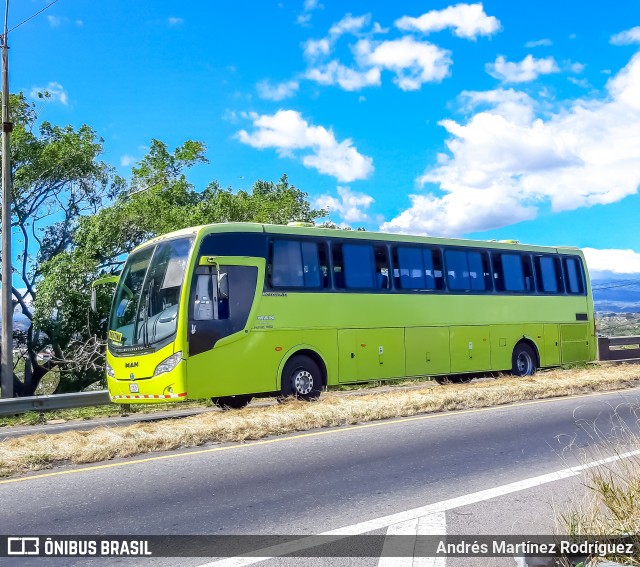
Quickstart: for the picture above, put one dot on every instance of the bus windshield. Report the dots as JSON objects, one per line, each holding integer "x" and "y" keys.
{"x": 145, "y": 309}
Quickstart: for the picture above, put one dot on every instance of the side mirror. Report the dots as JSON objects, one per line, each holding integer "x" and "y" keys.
{"x": 223, "y": 286}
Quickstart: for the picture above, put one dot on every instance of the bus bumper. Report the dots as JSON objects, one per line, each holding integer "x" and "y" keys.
{"x": 167, "y": 387}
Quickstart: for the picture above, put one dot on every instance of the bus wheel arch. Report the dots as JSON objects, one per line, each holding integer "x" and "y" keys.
{"x": 525, "y": 359}
{"x": 303, "y": 374}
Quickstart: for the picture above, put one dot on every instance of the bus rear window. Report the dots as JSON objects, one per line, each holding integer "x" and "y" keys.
{"x": 573, "y": 271}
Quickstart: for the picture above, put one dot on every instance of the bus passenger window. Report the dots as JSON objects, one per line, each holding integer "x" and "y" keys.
{"x": 467, "y": 270}
{"x": 298, "y": 264}
{"x": 457, "y": 270}
{"x": 548, "y": 274}
{"x": 411, "y": 268}
{"x": 509, "y": 272}
{"x": 358, "y": 266}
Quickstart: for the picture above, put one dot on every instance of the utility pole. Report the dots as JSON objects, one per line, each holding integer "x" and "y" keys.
{"x": 6, "y": 357}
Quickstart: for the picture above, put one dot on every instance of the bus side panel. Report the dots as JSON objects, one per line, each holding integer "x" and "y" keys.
{"x": 574, "y": 340}
{"x": 470, "y": 348}
{"x": 243, "y": 366}
{"x": 551, "y": 354}
{"x": 504, "y": 339}
{"x": 253, "y": 363}
{"x": 370, "y": 354}
{"x": 323, "y": 341}
{"x": 427, "y": 351}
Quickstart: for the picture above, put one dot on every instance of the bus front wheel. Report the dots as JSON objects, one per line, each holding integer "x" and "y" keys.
{"x": 523, "y": 360}
{"x": 232, "y": 402}
{"x": 301, "y": 378}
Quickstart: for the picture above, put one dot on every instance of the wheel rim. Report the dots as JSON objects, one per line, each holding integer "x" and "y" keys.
{"x": 303, "y": 382}
{"x": 524, "y": 364}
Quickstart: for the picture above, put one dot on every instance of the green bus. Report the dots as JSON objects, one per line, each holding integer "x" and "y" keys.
{"x": 240, "y": 310}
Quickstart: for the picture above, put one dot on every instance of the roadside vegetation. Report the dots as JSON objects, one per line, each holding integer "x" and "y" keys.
{"x": 40, "y": 451}
{"x": 609, "y": 509}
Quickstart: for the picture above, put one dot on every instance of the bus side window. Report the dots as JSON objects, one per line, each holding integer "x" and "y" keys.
{"x": 548, "y": 274}
{"x": 359, "y": 266}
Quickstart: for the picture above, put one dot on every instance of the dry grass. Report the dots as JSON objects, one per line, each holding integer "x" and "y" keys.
{"x": 35, "y": 452}
{"x": 610, "y": 507}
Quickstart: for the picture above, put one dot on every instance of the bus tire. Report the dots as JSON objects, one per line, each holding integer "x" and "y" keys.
{"x": 301, "y": 378}
{"x": 523, "y": 360}
{"x": 232, "y": 402}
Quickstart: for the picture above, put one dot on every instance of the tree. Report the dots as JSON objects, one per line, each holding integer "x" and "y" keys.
{"x": 57, "y": 178}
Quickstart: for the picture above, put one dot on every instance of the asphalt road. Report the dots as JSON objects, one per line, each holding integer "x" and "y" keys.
{"x": 317, "y": 481}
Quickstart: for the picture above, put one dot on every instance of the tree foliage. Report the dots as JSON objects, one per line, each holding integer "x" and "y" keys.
{"x": 57, "y": 178}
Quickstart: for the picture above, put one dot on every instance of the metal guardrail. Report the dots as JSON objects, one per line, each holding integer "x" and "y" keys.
{"x": 605, "y": 352}
{"x": 15, "y": 406}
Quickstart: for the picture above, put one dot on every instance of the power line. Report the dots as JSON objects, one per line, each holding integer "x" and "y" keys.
{"x": 34, "y": 15}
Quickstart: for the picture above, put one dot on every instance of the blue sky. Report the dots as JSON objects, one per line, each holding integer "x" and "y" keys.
{"x": 484, "y": 120}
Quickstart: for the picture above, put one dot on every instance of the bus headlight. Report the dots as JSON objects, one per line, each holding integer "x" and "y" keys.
{"x": 168, "y": 364}
{"x": 110, "y": 371}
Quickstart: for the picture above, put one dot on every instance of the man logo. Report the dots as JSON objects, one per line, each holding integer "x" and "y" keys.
{"x": 131, "y": 364}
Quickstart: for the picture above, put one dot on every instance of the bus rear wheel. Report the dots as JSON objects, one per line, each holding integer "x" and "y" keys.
{"x": 232, "y": 402}
{"x": 523, "y": 360}
{"x": 301, "y": 378}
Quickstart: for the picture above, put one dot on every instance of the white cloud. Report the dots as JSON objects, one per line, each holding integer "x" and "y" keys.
{"x": 413, "y": 62}
{"x": 334, "y": 73}
{"x": 459, "y": 212}
{"x": 175, "y": 21}
{"x": 467, "y": 21}
{"x": 350, "y": 205}
{"x": 538, "y": 43}
{"x": 309, "y": 6}
{"x": 612, "y": 261}
{"x": 277, "y": 92}
{"x": 527, "y": 70}
{"x": 287, "y": 131}
{"x": 313, "y": 48}
{"x": 349, "y": 24}
{"x": 503, "y": 166}
{"x": 626, "y": 37}
{"x": 126, "y": 161}
{"x": 53, "y": 91}
{"x": 54, "y": 21}
{"x": 509, "y": 103}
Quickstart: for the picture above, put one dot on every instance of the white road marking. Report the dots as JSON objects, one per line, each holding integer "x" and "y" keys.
{"x": 433, "y": 524}
{"x": 379, "y": 523}
{"x": 406, "y": 552}
{"x": 398, "y": 552}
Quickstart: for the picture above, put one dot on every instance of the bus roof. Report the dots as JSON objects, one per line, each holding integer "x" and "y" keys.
{"x": 356, "y": 235}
